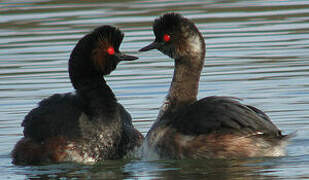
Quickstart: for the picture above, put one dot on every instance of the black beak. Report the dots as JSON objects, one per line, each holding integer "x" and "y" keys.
{"x": 153, "y": 45}
{"x": 124, "y": 57}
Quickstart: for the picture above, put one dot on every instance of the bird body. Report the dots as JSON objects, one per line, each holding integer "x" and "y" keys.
{"x": 212, "y": 127}
{"x": 86, "y": 126}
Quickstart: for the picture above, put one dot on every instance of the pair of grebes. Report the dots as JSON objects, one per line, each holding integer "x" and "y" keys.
{"x": 89, "y": 125}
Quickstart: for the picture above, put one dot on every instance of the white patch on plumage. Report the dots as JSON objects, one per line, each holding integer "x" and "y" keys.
{"x": 101, "y": 139}
{"x": 278, "y": 150}
{"x": 184, "y": 139}
{"x": 75, "y": 156}
{"x": 252, "y": 134}
{"x": 163, "y": 108}
{"x": 270, "y": 150}
{"x": 195, "y": 44}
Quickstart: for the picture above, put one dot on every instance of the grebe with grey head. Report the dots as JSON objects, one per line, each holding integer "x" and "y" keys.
{"x": 212, "y": 127}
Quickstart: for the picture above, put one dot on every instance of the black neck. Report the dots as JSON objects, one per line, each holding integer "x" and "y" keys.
{"x": 99, "y": 98}
{"x": 95, "y": 93}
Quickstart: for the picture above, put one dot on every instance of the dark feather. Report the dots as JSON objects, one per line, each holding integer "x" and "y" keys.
{"x": 223, "y": 114}
{"x": 55, "y": 115}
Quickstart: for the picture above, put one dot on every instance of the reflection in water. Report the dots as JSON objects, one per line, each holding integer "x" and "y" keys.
{"x": 197, "y": 169}
{"x": 256, "y": 50}
{"x": 188, "y": 169}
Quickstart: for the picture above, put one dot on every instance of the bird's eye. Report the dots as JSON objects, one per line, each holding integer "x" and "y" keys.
{"x": 166, "y": 38}
{"x": 111, "y": 51}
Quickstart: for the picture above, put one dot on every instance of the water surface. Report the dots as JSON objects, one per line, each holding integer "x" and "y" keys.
{"x": 256, "y": 50}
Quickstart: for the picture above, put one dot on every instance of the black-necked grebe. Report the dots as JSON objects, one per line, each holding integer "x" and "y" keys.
{"x": 213, "y": 127}
{"x": 89, "y": 125}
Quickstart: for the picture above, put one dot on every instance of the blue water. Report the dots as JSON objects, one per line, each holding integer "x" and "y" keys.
{"x": 256, "y": 50}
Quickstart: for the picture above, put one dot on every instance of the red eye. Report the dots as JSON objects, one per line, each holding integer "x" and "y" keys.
{"x": 166, "y": 37}
{"x": 111, "y": 51}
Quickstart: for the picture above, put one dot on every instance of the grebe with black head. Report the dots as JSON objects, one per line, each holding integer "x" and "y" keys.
{"x": 87, "y": 126}
{"x": 212, "y": 127}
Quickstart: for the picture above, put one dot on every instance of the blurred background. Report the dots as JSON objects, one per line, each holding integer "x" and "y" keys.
{"x": 256, "y": 50}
